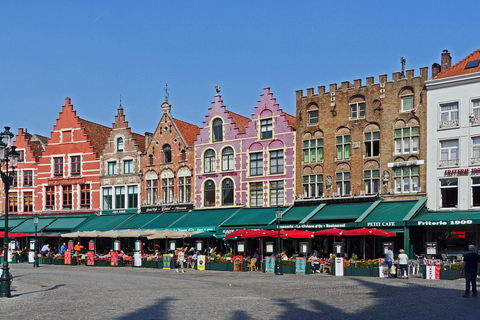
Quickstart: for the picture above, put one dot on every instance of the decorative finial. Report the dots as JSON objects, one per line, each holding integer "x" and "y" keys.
{"x": 166, "y": 92}
{"x": 218, "y": 89}
{"x": 121, "y": 102}
{"x": 403, "y": 61}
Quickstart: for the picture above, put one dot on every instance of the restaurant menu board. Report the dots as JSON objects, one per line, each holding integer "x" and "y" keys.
{"x": 166, "y": 261}
{"x": 70, "y": 245}
{"x": 10, "y": 256}
{"x": 433, "y": 269}
{"x": 237, "y": 263}
{"x": 382, "y": 268}
{"x": 339, "y": 267}
{"x": 114, "y": 259}
{"x": 431, "y": 248}
{"x": 300, "y": 265}
{"x": 31, "y": 257}
{"x": 201, "y": 262}
{"x": 68, "y": 257}
{"x": 270, "y": 264}
{"x": 32, "y": 244}
{"x": 91, "y": 246}
{"x": 91, "y": 258}
{"x": 137, "y": 259}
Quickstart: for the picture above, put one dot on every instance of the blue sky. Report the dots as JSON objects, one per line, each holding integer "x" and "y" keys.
{"x": 95, "y": 51}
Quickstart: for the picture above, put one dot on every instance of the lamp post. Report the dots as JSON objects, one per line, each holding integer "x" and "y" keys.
{"x": 278, "y": 215}
{"x": 35, "y": 258}
{"x": 8, "y": 158}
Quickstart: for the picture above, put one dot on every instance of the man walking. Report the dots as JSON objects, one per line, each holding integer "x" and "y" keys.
{"x": 389, "y": 260}
{"x": 470, "y": 267}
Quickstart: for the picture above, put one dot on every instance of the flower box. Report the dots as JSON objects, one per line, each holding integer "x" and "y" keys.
{"x": 102, "y": 263}
{"x": 44, "y": 260}
{"x": 220, "y": 266}
{"x": 57, "y": 262}
{"x": 150, "y": 264}
{"x": 449, "y": 274}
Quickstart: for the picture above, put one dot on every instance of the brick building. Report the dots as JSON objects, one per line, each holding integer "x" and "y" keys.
{"x": 120, "y": 168}
{"x": 359, "y": 140}
{"x": 168, "y": 166}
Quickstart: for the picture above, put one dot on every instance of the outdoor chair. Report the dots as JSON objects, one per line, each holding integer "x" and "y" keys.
{"x": 252, "y": 264}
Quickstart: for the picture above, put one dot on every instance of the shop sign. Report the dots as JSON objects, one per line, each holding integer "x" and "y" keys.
{"x": 317, "y": 226}
{"x": 445, "y": 223}
{"x": 460, "y": 172}
{"x": 168, "y": 208}
{"x": 201, "y": 263}
{"x": 381, "y": 224}
{"x": 68, "y": 181}
{"x": 406, "y": 163}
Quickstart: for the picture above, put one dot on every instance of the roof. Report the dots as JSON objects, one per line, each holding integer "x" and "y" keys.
{"x": 189, "y": 131}
{"x": 240, "y": 121}
{"x": 140, "y": 141}
{"x": 459, "y": 68}
{"x": 291, "y": 119}
{"x": 97, "y": 134}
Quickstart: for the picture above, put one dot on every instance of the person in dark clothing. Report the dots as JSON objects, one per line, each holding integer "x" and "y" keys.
{"x": 470, "y": 268}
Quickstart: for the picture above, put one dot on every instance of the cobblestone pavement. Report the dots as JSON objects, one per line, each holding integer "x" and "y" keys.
{"x": 80, "y": 292}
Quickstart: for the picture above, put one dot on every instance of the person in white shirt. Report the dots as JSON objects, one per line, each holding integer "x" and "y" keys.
{"x": 403, "y": 262}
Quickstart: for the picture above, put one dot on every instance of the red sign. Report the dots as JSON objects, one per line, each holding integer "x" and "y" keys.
{"x": 91, "y": 258}
{"x": 68, "y": 257}
{"x": 70, "y": 245}
{"x": 91, "y": 246}
{"x": 62, "y": 182}
{"x": 114, "y": 259}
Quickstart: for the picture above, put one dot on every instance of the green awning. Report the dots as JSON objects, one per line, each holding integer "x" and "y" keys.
{"x": 105, "y": 223}
{"x": 65, "y": 224}
{"x": 139, "y": 220}
{"x": 388, "y": 214}
{"x": 204, "y": 219}
{"x": 296, "y": 214}
{"x": 446, "y": 218}
{"x": 164, "y": 220}
{"x": 29, "y": 227}
{"x": 337, "y": 212}
{"x": 12, "y": 223}
{"x": 260, "y": 217}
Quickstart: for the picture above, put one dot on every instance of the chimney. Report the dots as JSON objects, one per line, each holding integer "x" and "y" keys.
{"x": 436, "y": 68}
{"x": 446, "y": 60}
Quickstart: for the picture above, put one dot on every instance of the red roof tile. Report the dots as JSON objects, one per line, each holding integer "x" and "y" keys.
{"x": 140, "y": 141}
{"x": 97, "y": 134}
{"x": 291, "y": 120}
{"x": 189, "y": 131}
{"x": 459, "y": 68}
{"x": 240, "y": 121}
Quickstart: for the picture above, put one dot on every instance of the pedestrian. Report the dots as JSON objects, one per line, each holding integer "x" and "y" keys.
{"x": 389, "y": 259}
{"x": 470, "y": 268}
{"x": 45, "y": 249}
{"x": 403, "y": 262}
{"x": 181, "y": 258}
{"x": 63, "y": 248}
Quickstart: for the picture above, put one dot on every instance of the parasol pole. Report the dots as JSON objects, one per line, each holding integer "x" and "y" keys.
{"x": 364, "y": 247}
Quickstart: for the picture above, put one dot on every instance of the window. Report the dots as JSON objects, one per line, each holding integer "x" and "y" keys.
{"x": 312, "y": 150}
{"x": 406, "y": 179}
{"x": 209, "y": 193}
{"x": 209, "y": 161}
{"x": 12, "y": 202}
{"x": 184, "y": 155}
{"x": 266, "y": 130}
{"x": 449, "y": 192}
{"x": 276, "y": 193}
{"x": 472, "y": 64}
{"x": 407, "y": 103}
{"x": 152, "y": 189}
{"x": 150, "y": 159}
{"x": 58, "y": 167}
{"x": 27, "y": 178}
{"x": 119, "y": 197}
{"x": 227, "y": 192}
{"x": 448, "y": 115}
{"x": 67, "y": 197}
{"x": 85, "y": 196}
{"x": 313, "y": 186}
{"x": 167, "y": 153}
{"x": 107, "y": 199}
{"x": 449, "y": 153}
{"x": 276, "y": 162}
{"x": 313, "y": 117}
{"x": 372, "y": 181}
{"x": 50, "y": 198}
{"x": 476, "y": 192}
{"x": 227, "y": 159}
{"x": 217, "y": 130}
{"x": 256, "y": 164}
{"x": 132, "y": 197}
{"x": 112, "y": 168}
{"x": 343, "y": 147}
{"x": 343, "y": 183}
{"x": 28, "y": 202}
{"x": 256, "y": 192}
{"x": 476, "y": 108}
{"x": 127, "y": 166}
{"x": 357, "y": 110}
{"x": 21, "y": 155}
{"x": 76, "y": 164}
{"x": 15, "y": 181}
{"x": 372, "y": 144}
{"x": 120, "y": 145}
{"x": 407, "y": 140}
{"x": 184, "y": 192}
{"x": 167, "y": 190}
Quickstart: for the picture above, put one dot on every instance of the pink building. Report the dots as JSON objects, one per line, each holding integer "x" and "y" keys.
{"x": 241, "y": 161}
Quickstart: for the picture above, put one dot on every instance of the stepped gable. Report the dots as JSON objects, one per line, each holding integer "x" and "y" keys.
{"x": 459, "y": 68}
{"x": 37, "y": 143}
{"x": 140, "y": 141}
{"x": 291, "y": 120}
{"x": 189, "y": 131}
{"x": 240, "y": 121}
{"x": 97, "y": 134}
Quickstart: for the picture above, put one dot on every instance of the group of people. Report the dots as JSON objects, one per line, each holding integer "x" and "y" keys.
{"x": 402, "y": 262}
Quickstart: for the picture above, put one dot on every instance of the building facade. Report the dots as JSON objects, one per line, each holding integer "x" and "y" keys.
{"x": 120, "y": 172}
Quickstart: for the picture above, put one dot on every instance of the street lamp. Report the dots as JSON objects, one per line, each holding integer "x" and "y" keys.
{"x": 278, "y": 215}
{"x": 35, "y": 258}
{"x": 9, "y": 158}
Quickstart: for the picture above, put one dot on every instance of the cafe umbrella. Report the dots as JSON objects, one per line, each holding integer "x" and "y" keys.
{"x": 368, "y": 232}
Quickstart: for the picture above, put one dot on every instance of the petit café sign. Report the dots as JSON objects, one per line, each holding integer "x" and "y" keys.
{"x": 459, "y": 172}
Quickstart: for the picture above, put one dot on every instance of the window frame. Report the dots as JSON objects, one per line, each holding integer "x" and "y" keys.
{"x": 266, "y": 128}
{"x": 403, "y": 98}
{"x": 256, "y": 164}
{"x": 167, "y": 190}
{"x": 277, "y": 193}
{"x": 50, "y": 197}
{"x": 228, "y": 159}
{"x": 371, "y": 182}
{"x": 120, "y": 144}
{"x": 449, "y": 118}
{"x": 107, "y": 198}
{"x": 128, "y": 164}
{"x": 442, "y": 198}
{"x": 406, "y": 182}
{"x": 75, "y": 166}
{"x": 344, "y": 183}
{"x": 372, "y": 144}
{"x": 217, "y": 130}
{"x": 85, "y": 196}
{"x": 132, "y": 197}
{"x": 167, "y": 153}
{"x": 67, "y": 199}
{"x": 313, "y": 146}
{"x": 209, "y": 159}
{"x": 184, "y": 189}
{"x": 313, "y": 182}
{"x": 209, "y": 192}
{"x": 111, "y": 168}
{"x": 256, "y": 194}
{"x": 343, "y": 147}
{"x": 119, "y": 197}
{"x": 357, "y": 110}
{"x": 58, "y": 167}
{"x": 277, "y": 162}
{"x": 28, "y": 178}
{"x": 28, "y": 201}
{"x": 152, "y": 191}
{"x": 406, "y": 140}
{"x": 230, "y": 194}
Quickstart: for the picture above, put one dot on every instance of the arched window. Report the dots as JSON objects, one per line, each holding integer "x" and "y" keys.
{"x": 167, "y": 154}
{"x": 120, "y": 145}
{"x": 227, "y": 192}
{"x": 209, "y": 193}
{"x": 150, "y": 159}
{"x": 227, "y": 159}
{"x": 217, "y": 130}
{"x": 209, "y": 161}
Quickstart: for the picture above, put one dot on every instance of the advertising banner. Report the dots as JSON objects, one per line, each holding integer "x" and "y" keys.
{"x": 382, "y": 268}
{"x": 237, "y": 263}
{"x": 201, "y": 262}
{"x": 91, "y": 258}
{"x": 116, "y": 245}
{"x": 31, "y": 257}
{"x": 91, "y": 245}
{"x": 432, "y": 269}
{"x": 137, "y": 259}
{"x": 166, "y": 261}
{"x": 339, "y": 267}
{"x": 68, "y": 257}
{"x": 114, "y": 259}
{"x": 300, "y": 265}
{"x": 70, "y": 245}
{"x": 270, "y": 264}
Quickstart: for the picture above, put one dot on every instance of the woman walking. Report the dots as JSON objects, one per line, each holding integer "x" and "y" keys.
{"x": 181, "y": 258}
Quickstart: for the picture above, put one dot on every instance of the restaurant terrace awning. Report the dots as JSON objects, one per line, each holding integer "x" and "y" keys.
{"x": 64, "y": 224}
{"x": 165, "y": 220}
{"x": 12, "y": 222}
{"x": 336, "y": 215}
{"x": 298, "y": 213}
{"x": 251, "y": 218}
{"x": 105, "y": 223}
{"x": 445, "y": 218}
{"x": 28, "y": 226}
{"x": 204, "y": 220}
{"x": 139, "y": 221}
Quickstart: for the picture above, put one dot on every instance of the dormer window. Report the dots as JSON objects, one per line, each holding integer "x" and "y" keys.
{"x": 120, "y": 145}
{"x": 217, "y": 130}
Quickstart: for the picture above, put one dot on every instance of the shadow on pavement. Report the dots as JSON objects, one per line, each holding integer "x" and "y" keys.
{"x": 159, "y": 310}
{"x": 31, "y": 292}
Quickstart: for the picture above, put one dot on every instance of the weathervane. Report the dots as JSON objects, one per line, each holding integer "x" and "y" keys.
{"x": 218, "y": 89}
{"x": 166, "y": 91}
{"x": 120, "y": 101}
